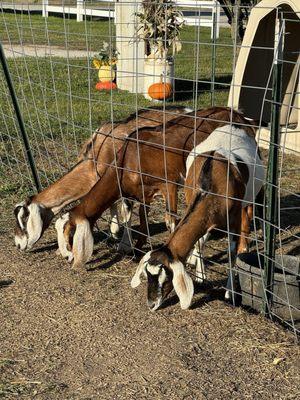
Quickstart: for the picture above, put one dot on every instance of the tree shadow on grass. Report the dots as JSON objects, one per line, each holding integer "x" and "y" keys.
{"x": 185, "y": 89}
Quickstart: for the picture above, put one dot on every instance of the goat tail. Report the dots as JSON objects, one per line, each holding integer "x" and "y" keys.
{"x": 83, "y": 243}
{"x": 205, "y": 178}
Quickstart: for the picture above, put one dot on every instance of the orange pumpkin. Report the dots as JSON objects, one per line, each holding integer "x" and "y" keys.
{"x": 106, "y": 86}
{"x": 160, "y": 91}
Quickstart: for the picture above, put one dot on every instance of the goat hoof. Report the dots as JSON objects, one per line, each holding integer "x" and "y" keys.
{"x": 57, "y": 252}
{"x": 234, "y": 299}
{"x": 76, "y": 267}
{"x": 200, "y": 278}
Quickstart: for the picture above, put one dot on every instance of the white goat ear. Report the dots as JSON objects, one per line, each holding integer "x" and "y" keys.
{"x": 83, "y": 243}
{"x": 62, "y": 245}
{"x": 20, "y": 215}
{"x": 141, "y": 270}
{"x": 34, "y": 224}
{"x": 183, "y": 284}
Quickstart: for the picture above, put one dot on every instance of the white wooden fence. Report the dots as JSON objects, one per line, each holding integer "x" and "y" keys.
{"x": 108, "y": 11}
{"x": 80, "y": 10}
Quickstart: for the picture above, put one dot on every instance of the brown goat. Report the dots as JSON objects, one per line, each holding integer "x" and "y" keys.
{"x": 150, "y": 163}
{"x": 225, "y": 174}
{"x": 34, "y": 215}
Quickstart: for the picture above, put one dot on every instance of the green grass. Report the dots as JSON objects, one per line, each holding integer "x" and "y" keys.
{"x": 67, "y": 32}
{"x": 60, "y": 106}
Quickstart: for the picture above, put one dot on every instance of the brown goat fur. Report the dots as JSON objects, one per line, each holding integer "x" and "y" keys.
{"x": 96, "y": 154}
{"x": 224, "y": 197}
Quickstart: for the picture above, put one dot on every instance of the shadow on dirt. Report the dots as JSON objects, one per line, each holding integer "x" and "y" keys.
{"x": 5, "y": 283}
{"x": 290, "y": 211}
{"x": 48, "y": 247}
{"x": 108, "y": 258}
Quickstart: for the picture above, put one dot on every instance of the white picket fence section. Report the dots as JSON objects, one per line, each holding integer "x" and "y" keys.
{"x": 212, "y": 20}
{"x": 80, "y": 10}
{"x": 198, "y": 20}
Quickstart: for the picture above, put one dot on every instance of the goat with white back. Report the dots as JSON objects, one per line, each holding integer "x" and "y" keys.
{"x": 224, "y": 176}
{"x": 34, "y": 215}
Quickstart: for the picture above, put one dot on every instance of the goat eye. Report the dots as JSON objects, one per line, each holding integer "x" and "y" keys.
{"x": 16, "y": 211}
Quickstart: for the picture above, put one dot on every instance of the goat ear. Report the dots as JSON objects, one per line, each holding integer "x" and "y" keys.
{"x": 62, "y": 244}
{"x": 34, "y": 224}
{"x": 83, "y": 243}
{"x": 183, "y": 284}
{"x": 141, "y": 270}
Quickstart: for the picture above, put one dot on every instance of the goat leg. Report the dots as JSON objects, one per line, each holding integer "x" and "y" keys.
{"x": 143, "y": 213}
{"x": 114, "y": 221}
{"x": 169, "y": 192}
{"x": 231, "y": 289}
{"x": 126, "y": 244}
{"x": 243, "y": 242}
{"x": 196, "y": 259}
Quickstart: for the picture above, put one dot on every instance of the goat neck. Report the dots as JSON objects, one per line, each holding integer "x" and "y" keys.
{"x": 103, "y": 194}
{"x": 69, "y": 188}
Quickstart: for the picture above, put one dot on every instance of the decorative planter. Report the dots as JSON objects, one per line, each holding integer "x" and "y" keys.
{"x": 105, "y": 86}
{"x": 286, "y": 289}
{"x": 106, "y": 73}
{"x": 157, "y": 70}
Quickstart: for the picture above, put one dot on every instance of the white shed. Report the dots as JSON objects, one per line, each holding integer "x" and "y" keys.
{"x": 251, "y": 86}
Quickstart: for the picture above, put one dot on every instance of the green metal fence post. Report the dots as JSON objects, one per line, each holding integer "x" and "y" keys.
{"x": 272, "y": 171}
{"x": 20, "y": 119}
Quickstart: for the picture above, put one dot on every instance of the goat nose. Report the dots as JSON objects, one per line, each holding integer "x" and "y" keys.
{"x": 18, "y": 246}
{"x": 151, "y": 304}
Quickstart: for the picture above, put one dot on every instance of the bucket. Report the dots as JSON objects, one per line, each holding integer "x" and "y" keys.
{"x": 286, "y": 289}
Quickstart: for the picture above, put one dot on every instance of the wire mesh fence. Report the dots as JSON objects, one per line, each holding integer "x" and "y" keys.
{"x": 207, "y": 73}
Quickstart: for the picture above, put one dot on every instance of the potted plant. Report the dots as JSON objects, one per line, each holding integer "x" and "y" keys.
{"x": 160, "y": 23}
{"x": 105, "y": 61}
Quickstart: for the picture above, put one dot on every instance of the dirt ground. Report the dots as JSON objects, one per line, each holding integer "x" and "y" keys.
{"x": 88, "y": 335}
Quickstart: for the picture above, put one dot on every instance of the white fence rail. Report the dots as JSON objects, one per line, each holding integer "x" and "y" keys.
{"x": 211, "y": 18}
{"x": 80, "y": 10}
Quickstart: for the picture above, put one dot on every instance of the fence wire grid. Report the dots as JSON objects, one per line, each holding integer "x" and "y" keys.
{"x": 49, "y": 49}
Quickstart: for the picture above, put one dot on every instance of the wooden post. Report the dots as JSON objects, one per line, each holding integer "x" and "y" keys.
{"x": 80, "y": 10}
{"x": 45, "y": 9}
{"x": 217, "y": 11}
